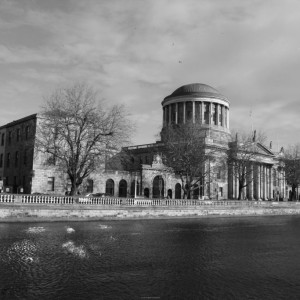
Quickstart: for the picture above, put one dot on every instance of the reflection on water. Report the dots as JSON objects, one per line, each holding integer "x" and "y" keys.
{"x": 224, "y": 258}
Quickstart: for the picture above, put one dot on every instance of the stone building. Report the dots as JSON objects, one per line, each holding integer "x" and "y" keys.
{"x": 24, "y": 170}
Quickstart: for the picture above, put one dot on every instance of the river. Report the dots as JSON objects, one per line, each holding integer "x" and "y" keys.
{"x": 213, "y": 258}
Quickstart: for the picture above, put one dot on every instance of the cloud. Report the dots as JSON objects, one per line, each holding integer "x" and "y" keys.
{"x": 139, "y": 52}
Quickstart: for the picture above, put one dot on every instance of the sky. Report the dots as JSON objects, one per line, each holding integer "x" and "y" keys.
{"x": 136, "y": 52}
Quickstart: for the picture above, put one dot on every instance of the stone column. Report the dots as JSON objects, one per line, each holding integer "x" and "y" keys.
{"x": 265, "y": 183}
{"x": 283, "y": 181}
{"x": 176, "y": 116}
{"x": 217, "y": 113}
{"x": 194, "y": 113}
{"x": 261, "y": 183}
{"x": 228, "y": 118}
{"x": 251, "y": 185}
{"x": 236, "y": 188}
{"x": 258, "y": 183}
{"x": 271, "y": 183}
{"x": 170, "y": 113}
{"x": 202, "y": 112}
{"x": 184, "y": 106}
{"x": 210, "y": 114}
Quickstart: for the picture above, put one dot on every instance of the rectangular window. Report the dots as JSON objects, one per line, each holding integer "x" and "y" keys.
{"x": 180, "y": 113}
{"x": 206, "y": 113}
{"x": 9, "y": 137}
{"x": 221, "y": 191}
{"x": 50, "y": 184}
{"x": 8, "y": 160}
{"x": 18, "y": 134}
{"x": 214, "y": 114}
{"x": 2, "y": 139}
{"x": 26, "y": 132}
{"x": 90, "y": 186}
{"x": 16, "y": 158}
{"x": 1, "y": 160}
{"x": 25, "y": 157}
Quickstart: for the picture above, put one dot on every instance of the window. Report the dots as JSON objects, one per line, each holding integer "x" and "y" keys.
{"x": 25, "y": 157}
{"x": 18, "y": 134}
{"x": 221, "y": 191}
{"x": 9, "y": 137}
{"x": 2, "y": 139}
{"x": 50, "y": 184}
{"x": 90, "y": 186}
{"x": 8, "y": 159}
{"x": 1, "y": 160}
{"x": 26, "y": 132}
{"x": 16, "y": 158}
{"x": 206, "y": 113}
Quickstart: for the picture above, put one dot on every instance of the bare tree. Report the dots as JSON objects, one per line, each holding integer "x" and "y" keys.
{"x": 242, "y": 152}
{"x": 291, "y": 163}
{"x": 78, "y": 133}
{"x": 186, "y": 152}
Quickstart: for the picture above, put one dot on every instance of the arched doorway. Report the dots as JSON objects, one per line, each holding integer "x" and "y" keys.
{"x": 133, "y": 187}
{"x": 177, "y": 191}
{"x": 146, "y": 192}
{"x": 110, "y": 187}
{"x": 158, "y": 189}
{"x": 170, "y": 193}
{"x": 123, "y": 188}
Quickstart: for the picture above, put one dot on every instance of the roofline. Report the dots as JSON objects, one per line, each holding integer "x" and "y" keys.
{"x": 16, "y": 122}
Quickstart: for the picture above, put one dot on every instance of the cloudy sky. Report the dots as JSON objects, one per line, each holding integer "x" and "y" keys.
{"x": 137, "y": 52}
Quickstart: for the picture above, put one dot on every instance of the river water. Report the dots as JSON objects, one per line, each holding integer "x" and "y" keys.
{"x": 218, "y": 258}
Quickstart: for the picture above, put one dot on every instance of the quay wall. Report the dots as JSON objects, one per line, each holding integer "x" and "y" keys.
{"x": 16, "y": 208}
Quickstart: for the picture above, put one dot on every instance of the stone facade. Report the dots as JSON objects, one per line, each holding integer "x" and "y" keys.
{"x": 25, "y": 171}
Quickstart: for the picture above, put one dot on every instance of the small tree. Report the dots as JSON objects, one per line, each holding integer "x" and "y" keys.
{"x": 186, "y": 152}
{"x": 78, "y": 133}
{"x": 242, "y": 152}
{"x": 291, "y": 163}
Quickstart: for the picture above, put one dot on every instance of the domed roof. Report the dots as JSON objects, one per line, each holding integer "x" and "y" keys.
{"x": 197, "y": 90}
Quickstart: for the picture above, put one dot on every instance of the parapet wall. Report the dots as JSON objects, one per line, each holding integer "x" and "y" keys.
{"x": 76, "y": 209}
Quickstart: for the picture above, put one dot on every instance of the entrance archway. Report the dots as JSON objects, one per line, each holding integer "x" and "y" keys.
{"x": 158, "y": 189}
{"x": 177, "y": 191}
{"x": 123, "y": 188}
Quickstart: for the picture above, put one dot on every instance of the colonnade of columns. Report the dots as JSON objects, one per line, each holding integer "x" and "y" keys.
{"x": 202, "y": 112}
{"x": 263, "y": 182}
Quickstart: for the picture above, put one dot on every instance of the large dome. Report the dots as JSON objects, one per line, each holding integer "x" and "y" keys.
{"x": 196, "y": 90}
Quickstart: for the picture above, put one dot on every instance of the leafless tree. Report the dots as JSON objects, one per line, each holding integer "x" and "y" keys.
{"x": 291, "y": 163}
{"x": 77, "y": 132}
{"x": 243, "y": 151}
{"x": 186, "y": 152}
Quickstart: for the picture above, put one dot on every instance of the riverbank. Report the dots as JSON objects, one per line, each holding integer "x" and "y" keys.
{"x": 19, "y": 212}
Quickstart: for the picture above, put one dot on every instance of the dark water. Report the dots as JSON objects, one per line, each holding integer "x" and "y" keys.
{"x": 230, "y": 258}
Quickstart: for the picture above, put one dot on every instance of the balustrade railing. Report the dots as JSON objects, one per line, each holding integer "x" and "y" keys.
{"x": 114, "y": 201}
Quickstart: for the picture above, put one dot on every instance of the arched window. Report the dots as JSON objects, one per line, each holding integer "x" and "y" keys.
{"x": 158, "y": 187}
{"x": 177, "y": 191}
{"x": 123, "y": 188}
{"x": 110, "y": 187}
{"x": 170, "y": 193}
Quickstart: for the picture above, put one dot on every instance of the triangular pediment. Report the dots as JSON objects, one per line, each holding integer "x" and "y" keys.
{"x": 261, "y": 149}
